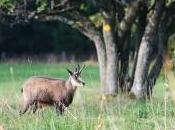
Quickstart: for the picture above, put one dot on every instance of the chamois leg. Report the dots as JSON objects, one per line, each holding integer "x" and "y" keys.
{"x": 59, "y": 108}
{"x": 35, "y": 106}
{"x": 25, "y": 107}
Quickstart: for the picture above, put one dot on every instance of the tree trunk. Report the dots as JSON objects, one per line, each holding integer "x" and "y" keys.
{"x": 101, "y": 55}
{"x": 111, "y": 70}
{"x": 138, "y": 88}
{"x": 155, "y": 70}
{"x": 126, "y": 23}
{"x": 124, "y": 66}
{"x": 124, "y": 31}
{"x": 141, "y": 28}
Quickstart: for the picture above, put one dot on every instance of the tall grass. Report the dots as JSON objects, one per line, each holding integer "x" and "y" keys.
{"x": 90, "y": 110}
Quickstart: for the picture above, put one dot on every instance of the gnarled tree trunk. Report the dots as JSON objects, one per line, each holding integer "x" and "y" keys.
{"x": 155, "y": 70}
{"x": 138, "y": 88}
{"x": 141, "y": 28}
{"x": 124, "y": 31}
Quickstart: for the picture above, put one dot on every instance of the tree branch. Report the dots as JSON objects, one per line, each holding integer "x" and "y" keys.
{"x": 126, "y": 23}
{"x": 81, "y": 23}
{"x": 63, "y": 3}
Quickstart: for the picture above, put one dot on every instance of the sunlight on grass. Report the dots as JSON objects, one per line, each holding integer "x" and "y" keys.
{"x": 92, "y": 110}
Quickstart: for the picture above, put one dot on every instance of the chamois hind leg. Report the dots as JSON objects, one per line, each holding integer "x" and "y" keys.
{"x": 25, "y": 107}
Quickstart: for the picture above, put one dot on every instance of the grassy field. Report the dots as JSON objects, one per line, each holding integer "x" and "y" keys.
{"x": 89, "y": 110}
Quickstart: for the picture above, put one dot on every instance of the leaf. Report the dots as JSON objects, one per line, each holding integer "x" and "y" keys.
{"x": 7, "y": 4}
{"x": 97, "y": 19}
{"x": 82, "y": 6}
{"x": 42, "y": 5}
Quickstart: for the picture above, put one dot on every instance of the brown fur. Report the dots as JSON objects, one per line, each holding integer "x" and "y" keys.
{"x": 39, "y": 91}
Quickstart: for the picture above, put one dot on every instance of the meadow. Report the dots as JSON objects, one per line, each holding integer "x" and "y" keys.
{"x": 90, "y": 110}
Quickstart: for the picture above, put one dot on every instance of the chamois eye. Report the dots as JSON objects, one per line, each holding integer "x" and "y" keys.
{"x": 76, "y": 75}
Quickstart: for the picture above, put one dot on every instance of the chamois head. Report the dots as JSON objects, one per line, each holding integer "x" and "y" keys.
{"x": 75, "y": 76}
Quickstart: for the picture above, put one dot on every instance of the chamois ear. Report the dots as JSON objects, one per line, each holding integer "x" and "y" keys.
{"x": 81, "y": 69}
{"x": 78, "y": 67}
{"x": 70, "y": 72}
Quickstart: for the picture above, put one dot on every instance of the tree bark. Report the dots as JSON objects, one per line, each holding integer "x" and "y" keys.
{"x": 101, "y": 55}
{"x": 124, "y": 31}
{"x": 111, "y": 50}
{"x": 126, "y": 23}
{"x": 155, "y": 70}
{"x": 138, "y": 88}
{"x": 124, "y": 66}
{"x": 141, "y": 28}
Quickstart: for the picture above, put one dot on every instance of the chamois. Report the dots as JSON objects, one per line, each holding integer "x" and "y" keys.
{"x": 51, "y": 91}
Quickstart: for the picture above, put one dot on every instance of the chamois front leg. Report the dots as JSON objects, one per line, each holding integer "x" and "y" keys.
{"x": 59, "y": 106}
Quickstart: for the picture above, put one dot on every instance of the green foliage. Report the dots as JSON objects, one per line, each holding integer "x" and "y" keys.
{"x": 171, "y": 46}
{"x": 152, "y": 2}
{"x": 41, "y": 5}
{"x": 4, "y": 2}
{"x": 171, "y": 49}
{"x": 97, "y": 19}
{"x": 7, "y": 4}
{"x": 88, "y": 7}
{"x": 168, "y": 2}
{"x": 83, "y": 7}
